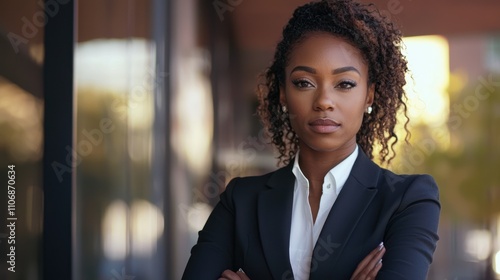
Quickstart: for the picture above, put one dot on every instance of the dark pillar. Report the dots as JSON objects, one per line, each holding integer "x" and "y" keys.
{"x": 58, "y": 173}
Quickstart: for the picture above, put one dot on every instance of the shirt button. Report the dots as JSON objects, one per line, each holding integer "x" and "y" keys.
{"x": 328, "y": 186}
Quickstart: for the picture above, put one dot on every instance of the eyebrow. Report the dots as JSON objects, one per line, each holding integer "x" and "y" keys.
{"x": 345, "y": 69}
{"x": 334, "y": 71}
{"x": 304, "y": 68}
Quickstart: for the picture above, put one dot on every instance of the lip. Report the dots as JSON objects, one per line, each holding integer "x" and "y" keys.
{"x": 324, "y": 125}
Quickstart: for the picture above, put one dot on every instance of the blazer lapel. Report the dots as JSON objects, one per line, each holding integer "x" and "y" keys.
{"x": 356, "y": 195}
{"x": 274, "y": 213}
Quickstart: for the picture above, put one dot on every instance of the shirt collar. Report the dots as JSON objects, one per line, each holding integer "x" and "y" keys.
{"x": 336, "y": 177}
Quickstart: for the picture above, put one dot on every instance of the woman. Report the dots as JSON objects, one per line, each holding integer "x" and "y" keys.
{"x": 333, "y": 91}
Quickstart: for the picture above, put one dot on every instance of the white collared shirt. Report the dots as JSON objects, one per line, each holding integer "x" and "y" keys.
{"x": 304, "y": 233}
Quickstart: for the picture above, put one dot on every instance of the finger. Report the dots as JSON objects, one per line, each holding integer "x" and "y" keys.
{"x": 242, "y": 274}
{"x": 375, "y": 263}
{"x": 367, "y": 259}
{"x": 373, "y": 255}
{"x": 373, "y": 273}
{"x": 230, "y": 275}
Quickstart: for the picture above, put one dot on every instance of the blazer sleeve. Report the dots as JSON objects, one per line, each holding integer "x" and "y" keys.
{"x": 411, "y": 234}
{"x": 213, "y": 253}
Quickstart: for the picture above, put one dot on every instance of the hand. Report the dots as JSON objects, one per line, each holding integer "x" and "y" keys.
{"x": 371, "y": 264}
{"x": 231, "y": 275}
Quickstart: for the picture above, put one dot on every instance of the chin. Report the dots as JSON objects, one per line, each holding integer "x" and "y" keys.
{"x": 325, "y": 147}
{"x": 328, "y": 145}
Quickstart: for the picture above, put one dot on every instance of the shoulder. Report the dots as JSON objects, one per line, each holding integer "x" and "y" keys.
{"x": 251, "y": 184}
{"x": 409, "y": 187}
{"x": 243, "y": 192}
{"x": 249, "y": 181}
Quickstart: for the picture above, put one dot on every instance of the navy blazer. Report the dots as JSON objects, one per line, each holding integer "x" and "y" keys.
{"x": 250, "y": 227}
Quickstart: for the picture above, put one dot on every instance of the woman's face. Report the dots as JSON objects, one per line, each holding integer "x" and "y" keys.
{"x": 326, "y": 92}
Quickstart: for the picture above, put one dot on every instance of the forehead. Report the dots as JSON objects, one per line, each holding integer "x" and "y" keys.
{"x": 324, "y": 49}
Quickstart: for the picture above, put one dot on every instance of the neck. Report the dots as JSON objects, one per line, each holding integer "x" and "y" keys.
{"x": 316, "y": 164}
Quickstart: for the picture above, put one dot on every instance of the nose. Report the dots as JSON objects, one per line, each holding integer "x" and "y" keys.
{"x": 323, "y": 100}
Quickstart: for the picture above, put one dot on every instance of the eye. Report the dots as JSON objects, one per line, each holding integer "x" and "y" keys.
{"x": 302, "y": 83}
{"x": 347, "y": 84}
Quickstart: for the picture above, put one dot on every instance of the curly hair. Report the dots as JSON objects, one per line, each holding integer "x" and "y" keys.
{"x": 379, "y": 41}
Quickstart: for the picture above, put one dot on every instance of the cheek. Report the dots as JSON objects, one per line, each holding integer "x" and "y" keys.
{"x": 354, "y": 113}
{"x": 299, "y": 114}
{"x": 358, "y": 111}
{"x": 296, "y": 116}
{"x": 298, "y": 108}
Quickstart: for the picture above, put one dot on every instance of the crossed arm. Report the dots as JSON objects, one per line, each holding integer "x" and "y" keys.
{"x": 367, "y": 269}
{"x": 410, "y": 237}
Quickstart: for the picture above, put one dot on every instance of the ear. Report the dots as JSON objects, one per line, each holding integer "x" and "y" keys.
{"x": 282, "y": 96}
{"x": 371, "y": 95}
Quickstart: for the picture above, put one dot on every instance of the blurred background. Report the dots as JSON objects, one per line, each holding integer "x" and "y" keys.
{"x": 126, "y": 119}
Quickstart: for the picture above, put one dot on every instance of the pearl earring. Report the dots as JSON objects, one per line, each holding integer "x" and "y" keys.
{"x": 284, "y": 109}
{"x": 369, "y": 110}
